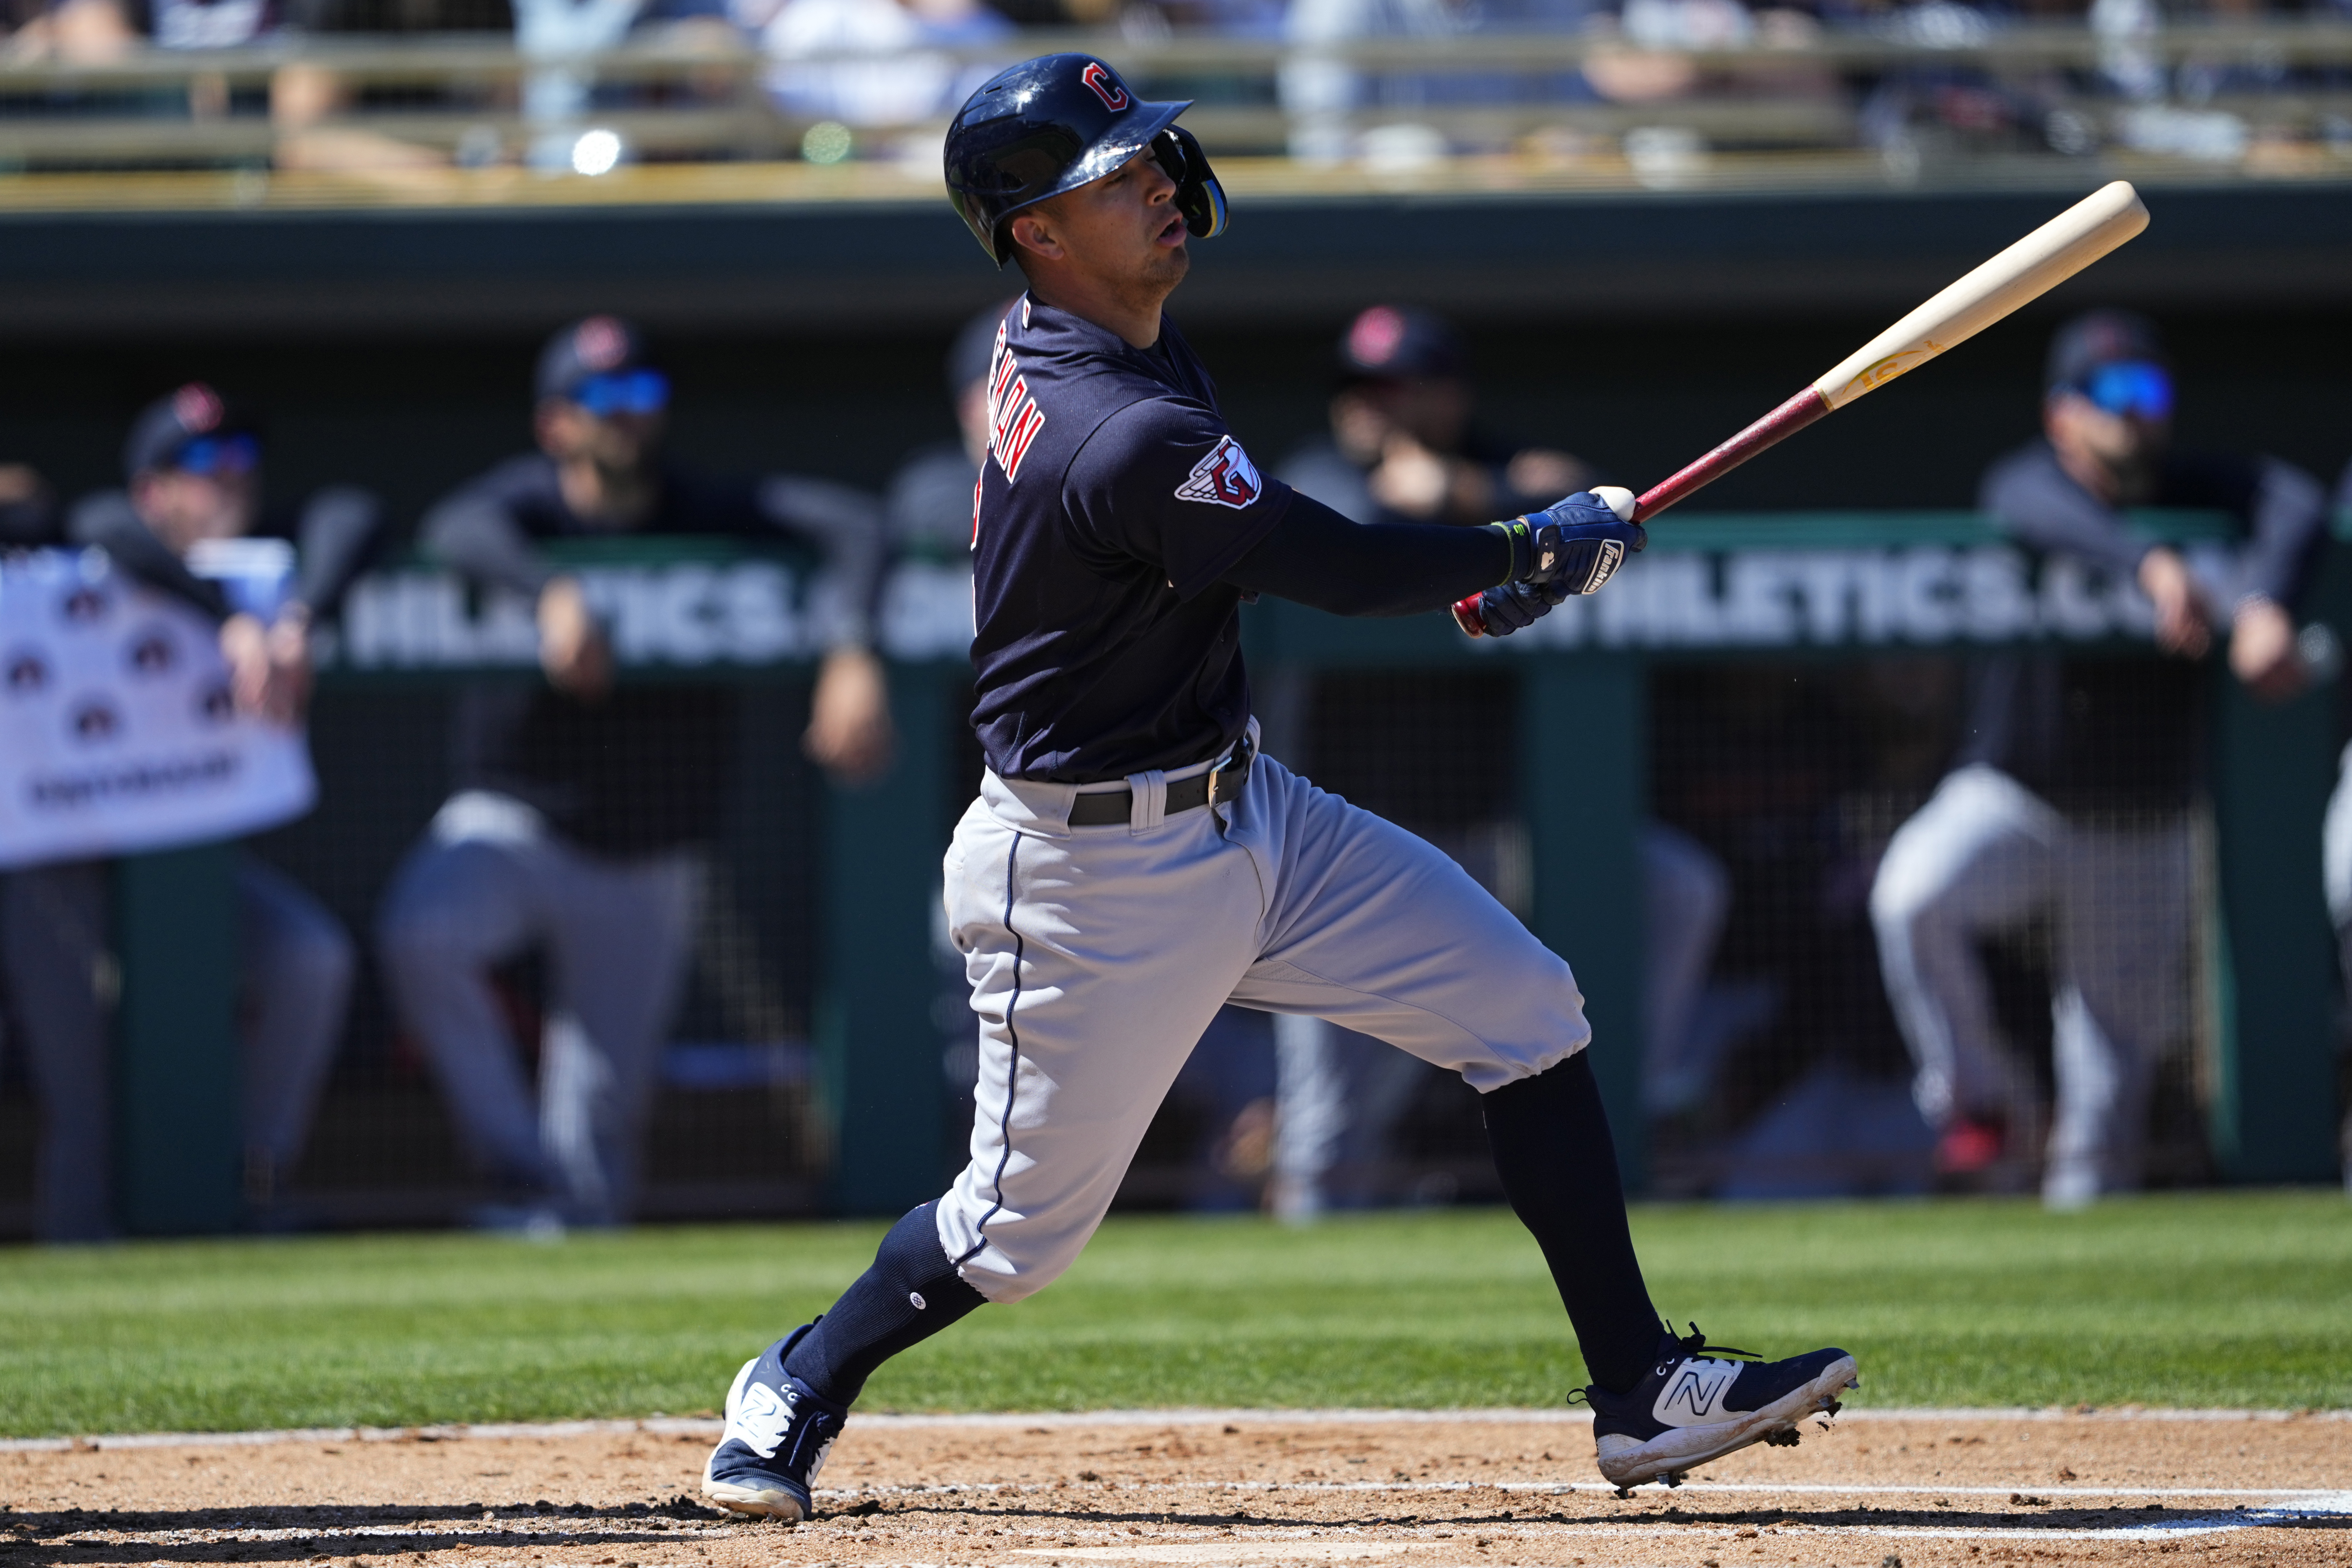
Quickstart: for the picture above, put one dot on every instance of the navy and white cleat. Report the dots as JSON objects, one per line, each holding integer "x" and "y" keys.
{"x": 778, "y": 1432}
{"x": 1697, "y": 1404}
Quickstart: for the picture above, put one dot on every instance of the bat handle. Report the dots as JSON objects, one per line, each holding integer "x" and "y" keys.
{"x": 1772, "y": 429}
{"x": 1775, "y": 427}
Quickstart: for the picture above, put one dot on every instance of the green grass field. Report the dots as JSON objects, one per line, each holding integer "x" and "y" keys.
{"x": 2213, "y": 1300}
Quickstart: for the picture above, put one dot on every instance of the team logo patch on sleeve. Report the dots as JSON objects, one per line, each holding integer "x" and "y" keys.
{"x": 1224, "y": 478}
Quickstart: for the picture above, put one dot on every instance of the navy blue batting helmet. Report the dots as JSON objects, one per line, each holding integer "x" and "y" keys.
{"x": 1055, "y": 123}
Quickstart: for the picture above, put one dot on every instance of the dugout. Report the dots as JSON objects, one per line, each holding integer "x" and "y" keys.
{"x": 394, "y": 347}
{"x": 1724, "y": 683}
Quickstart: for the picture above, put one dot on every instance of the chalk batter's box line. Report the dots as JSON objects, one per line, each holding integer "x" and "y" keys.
{"x": 698, "y": 1427}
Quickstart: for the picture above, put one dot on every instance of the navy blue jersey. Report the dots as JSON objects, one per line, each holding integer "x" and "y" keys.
{"x": 1112, "y": 504}
{"x": 2095, "y": 735}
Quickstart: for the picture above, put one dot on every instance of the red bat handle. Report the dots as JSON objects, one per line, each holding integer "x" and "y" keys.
{"x": 1774, "y": 428}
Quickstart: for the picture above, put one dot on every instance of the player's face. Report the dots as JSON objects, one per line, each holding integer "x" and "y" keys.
{"x": 1124, "y": 229}
{"x": 2127, "y": 445}
{"x": 1434, "y": 410}
{"x": 183, "y": 509}
{"x": 617, "y": 442}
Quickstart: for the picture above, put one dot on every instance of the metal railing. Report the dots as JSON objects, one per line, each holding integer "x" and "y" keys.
{"x": 2274, "y": 97}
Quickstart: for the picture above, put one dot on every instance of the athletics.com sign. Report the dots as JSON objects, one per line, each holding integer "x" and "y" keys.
{"x": 1777, "y": 598}
{"x": 754, "y": 612}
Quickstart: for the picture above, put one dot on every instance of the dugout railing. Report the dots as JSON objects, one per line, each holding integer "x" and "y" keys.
{"x": 816, "y": 1071}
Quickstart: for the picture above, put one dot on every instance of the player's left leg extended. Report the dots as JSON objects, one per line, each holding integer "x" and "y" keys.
{"x": 1098, "y": 955}
{"x": 1379, "y": 931}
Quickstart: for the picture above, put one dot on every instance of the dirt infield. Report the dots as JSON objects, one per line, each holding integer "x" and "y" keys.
{"x": 1892, "y": 1491}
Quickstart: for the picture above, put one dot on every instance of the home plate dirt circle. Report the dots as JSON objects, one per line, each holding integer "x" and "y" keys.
{"x": 1878, "y": 1490}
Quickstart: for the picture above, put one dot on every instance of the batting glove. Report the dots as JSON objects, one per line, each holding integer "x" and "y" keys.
{"x": 1576, "y": 545}
{"x": 1514, "y": 606}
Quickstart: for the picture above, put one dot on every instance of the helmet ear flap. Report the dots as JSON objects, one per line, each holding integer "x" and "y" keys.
{"x": 1199, "y": 196}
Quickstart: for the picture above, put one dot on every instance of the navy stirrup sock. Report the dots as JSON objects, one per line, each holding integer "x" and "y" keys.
{"x": 910, "y": 1293}
{"x": 1559, "y": 1165}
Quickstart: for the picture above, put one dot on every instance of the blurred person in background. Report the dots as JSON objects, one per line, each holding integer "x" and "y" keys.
{"x": 582, "y": 803}
{"x": 910, "y": 85}
{"x": 929, "y": 503}
{"x": 192, "y": 464}
{"x": 77, "y": 32}
{"x": 2335, "y": 847}
{"x": 26, "y": 507}
{"x": 1329, "y": 101}
{"x": 305, "y": 99}
{"x": 1404, "y": 448}
{"x": 2070, "y": 801}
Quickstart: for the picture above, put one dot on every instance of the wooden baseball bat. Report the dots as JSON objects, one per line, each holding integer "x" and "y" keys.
{"x": 2025, "y": 271}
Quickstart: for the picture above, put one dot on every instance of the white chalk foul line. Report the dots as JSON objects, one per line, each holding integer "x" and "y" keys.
{"x": 2321, "y": 1498}
{"x": 1057, "y": 1420}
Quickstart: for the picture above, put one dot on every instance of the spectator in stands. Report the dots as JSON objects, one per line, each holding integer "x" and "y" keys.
{"x": 582, "y": 801}
{"x": 192, "y": 464}
{"x": 1403, "y": 448}
{"x": 1327, "y": 98}
{"x": 210, "y": 24}
{"x": 78, "y": 32}
{"x": 305, "y": 99}
{"x": 2069, "y": 803}
{"x": 914, "y": 85}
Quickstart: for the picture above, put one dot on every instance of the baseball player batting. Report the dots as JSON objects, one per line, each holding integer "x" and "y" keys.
{"x": 1133, "y": 863}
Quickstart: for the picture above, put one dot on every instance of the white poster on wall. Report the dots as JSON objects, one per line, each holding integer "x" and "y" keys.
{"x": 117, "y": 730}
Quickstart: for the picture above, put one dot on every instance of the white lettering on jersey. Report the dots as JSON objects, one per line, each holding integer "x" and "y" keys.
{"x": 1224, "y": 478}
{"x": 1014, "y": 417}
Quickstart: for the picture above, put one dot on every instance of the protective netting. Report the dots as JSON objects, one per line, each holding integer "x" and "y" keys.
{"x": 1774, "y": 1062}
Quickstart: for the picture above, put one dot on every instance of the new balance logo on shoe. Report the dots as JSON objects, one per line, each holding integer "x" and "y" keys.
{"x": 761, "y": 1420}
{"x": 1696, "y": 1393}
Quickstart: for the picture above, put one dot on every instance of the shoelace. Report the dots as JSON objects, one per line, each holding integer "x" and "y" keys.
{"x": 1695, "y": 1344}
{"x": 1691, "y": 1344}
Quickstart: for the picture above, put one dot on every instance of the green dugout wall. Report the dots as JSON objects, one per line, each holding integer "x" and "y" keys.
{"x": 1824, "y": 586}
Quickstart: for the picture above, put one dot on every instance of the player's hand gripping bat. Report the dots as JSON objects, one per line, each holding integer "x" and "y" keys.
{"x": 2025, "y": 271}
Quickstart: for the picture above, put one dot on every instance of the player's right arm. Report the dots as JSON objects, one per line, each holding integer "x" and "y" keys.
{"x": 1316, "y": 556}
{"x": 2035, "y": 501}
{"x": 1162, "y": 481}
{"x": 479, "y": 531}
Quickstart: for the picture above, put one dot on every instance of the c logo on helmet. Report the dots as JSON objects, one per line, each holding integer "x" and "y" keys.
{"x": 1106, "y": 86}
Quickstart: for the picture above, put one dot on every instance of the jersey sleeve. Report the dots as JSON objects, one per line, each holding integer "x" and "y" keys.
{"x": 2033, "y": 500}
{"x": 1163, "y": 482}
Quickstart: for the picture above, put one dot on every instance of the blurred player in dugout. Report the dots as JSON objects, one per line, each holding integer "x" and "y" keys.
{"x": 1404, "y": 448}
{"x": 2068, "y": 806}
{"x": 582, "y": 802}
{"x": 193, "y": 472}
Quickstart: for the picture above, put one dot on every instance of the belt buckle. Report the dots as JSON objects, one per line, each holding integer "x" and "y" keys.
{"x": 1238, "y": 764}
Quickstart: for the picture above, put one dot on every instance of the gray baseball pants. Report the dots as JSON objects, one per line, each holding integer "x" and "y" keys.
{"x": 1986, "y": 855}
{"x": 491, "y": 882}
{"x": 1098, "y": 955}
{"x": 295, "y": 963}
